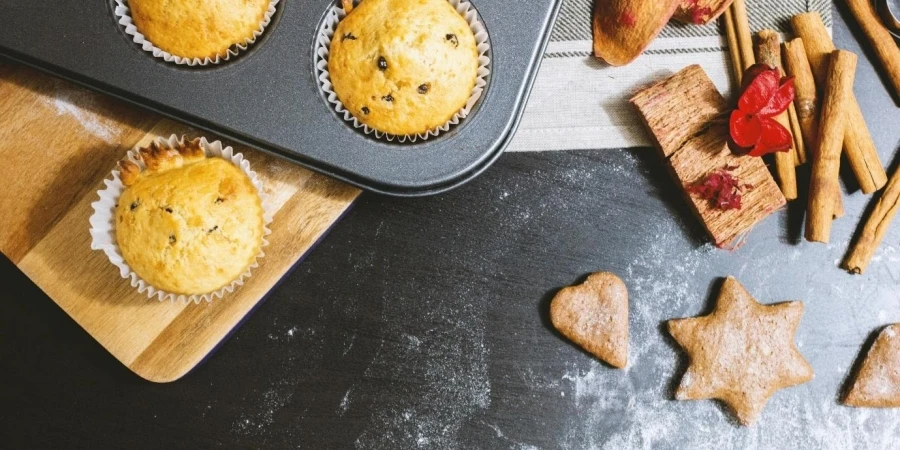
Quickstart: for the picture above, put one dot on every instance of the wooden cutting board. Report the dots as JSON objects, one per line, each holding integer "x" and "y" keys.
{"x": 57, "y": 143}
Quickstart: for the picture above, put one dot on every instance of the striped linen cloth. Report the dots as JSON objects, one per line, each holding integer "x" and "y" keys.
{"x": 580, "y": 103}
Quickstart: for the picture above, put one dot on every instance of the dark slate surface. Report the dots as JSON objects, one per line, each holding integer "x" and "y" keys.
{"x": 423, "y": 323}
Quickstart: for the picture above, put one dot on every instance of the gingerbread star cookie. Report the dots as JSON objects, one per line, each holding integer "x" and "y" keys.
{"x": 741, "y": 353}
{"x": 878, "y": 383}
{"x": 594, "y": 315}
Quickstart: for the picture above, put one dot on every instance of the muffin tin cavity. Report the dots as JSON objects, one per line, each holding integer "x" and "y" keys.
{"x": 350, "y": 118}
{"x": 270, "y": 96}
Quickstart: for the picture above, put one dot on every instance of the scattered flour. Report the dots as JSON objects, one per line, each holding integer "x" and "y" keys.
{"x": 634, "y": 408}
{"x": 79, "y": 104}
{"x": 258, "y": 418}
{"x": 345, "y": 402}
{"x": 445, "y": 364}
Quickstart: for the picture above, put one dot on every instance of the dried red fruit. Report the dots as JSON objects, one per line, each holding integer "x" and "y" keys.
{"x": 752, "y": 125}
{"x": 721, "y": 189}
{"x": 699, "y": 14}
{"x": 628, "y": 18}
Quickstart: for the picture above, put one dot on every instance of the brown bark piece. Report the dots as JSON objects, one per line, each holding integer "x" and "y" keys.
{"x": 709, "y": 152}
{"x": 681, "y": 113}
{"x": 678, "y": 108}
{"x": 878, "y": 383}
{"x": 624, "y": 28}
{"x": 742, "y": 353}
{"x": 701, "y": 12}
{"x": 594, "y": 315}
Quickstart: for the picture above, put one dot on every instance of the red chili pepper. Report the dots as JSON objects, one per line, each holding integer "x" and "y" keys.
{"x": 753, "y": 128}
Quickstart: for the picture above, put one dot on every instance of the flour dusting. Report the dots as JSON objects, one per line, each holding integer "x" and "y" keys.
{"x": 634, "y": 408}
{"x": 445, "y": 365}
{"x": 79, "y": 104}
{"x": 259, "y": 417}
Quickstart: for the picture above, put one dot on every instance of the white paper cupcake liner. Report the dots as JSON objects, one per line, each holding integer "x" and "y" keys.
{"x": 103, "y": 232}
{"x": 323, "y": 46}
{"x": 123, "y": 13}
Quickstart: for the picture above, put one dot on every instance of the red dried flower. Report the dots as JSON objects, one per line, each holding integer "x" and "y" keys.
{"x": 752, "y": 126}
{"x": 721, "y": 188}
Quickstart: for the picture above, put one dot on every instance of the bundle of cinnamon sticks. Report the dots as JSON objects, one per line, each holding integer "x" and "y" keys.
{"x": 826, "y": 122}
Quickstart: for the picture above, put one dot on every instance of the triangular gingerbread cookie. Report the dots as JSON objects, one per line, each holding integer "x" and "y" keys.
{"x": 742, "y": 353}
{"x": 878, "y": 383}
{"x": 594, "y": 315}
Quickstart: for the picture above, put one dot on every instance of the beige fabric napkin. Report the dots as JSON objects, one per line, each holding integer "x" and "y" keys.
{"x": 579, "y": 103}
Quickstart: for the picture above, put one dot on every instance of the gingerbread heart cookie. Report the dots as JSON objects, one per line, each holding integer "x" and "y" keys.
{"x": 742, "y": 353}
{"x": 878, "y": 383}
{"x": 594, "y": 315}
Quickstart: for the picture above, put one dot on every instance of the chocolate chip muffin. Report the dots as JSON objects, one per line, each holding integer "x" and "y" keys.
{"x": 403, "y": 67}
{"x": 187, "y": 224}
{"x": 198, "y": 28}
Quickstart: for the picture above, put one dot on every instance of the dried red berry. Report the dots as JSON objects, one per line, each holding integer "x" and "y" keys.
{"x": 699, "y": 15}
{"x": 752, "y": 125}
{"x": 628, "y": 18}
{"x": 721, "y": 189}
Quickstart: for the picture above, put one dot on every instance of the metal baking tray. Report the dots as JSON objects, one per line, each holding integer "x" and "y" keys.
{"x": 268, "y": 97}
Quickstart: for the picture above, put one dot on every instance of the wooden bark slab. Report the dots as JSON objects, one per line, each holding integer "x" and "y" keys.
{"x": 685, "y": 114}
{"x": 58, "y": 143}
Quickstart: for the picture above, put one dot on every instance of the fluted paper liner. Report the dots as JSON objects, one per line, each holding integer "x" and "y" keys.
{"x": 103, "y": 232}
{"x": 323, "y": 46}
{"x": 123, "y": 14}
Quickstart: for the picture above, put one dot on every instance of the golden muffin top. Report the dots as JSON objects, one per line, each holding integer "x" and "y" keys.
{"x": 197, "y": 28}
{"x": 188, "y": 224}
{"x": 403, "y": 67}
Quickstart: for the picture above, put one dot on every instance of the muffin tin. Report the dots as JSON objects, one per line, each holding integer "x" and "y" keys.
{"x": 268, "y": 97}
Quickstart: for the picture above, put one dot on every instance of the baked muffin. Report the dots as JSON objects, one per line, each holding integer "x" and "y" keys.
{"x": 198, "y": 28}
{"x": 403, "y": 67}
{"x": 187, "y": 224}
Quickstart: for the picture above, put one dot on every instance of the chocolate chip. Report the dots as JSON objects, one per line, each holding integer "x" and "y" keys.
{"x": 168, "y": 210}
{"x": 171, "y": 238}
{"x": 382, "y": 63}
{"x": 388, "y": 98}
{"x": 214, "y": 228}
{"x": 134, "y": 205}
{"x": 365, "y": 110}
{"x": 423, "y": 89}
{"x": 220, "y": 200}
{"x": 348, "y": 36}
{"x": 453, "y": 39}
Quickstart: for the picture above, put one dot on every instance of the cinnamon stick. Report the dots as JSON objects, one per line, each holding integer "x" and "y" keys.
{"x": 875, "y": 227}
{"x": 799, "y": 152}
{"x": 858, "y": 145}
{"x": 768, "y": 52}
{"x": 734, "y": 49}
{"x": 742, "y": 28}
{"x": 880, "y": 39}
{"x": 806, "y": 100}
{"x": 826, "y": 160}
